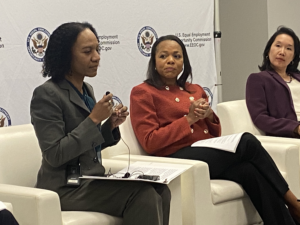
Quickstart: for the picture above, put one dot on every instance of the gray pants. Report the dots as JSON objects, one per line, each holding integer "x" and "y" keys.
{"x": 136, "y": 202}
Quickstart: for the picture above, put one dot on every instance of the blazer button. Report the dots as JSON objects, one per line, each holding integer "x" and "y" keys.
{"x": 205, "y": 131}
{"x": 95, "y": 159}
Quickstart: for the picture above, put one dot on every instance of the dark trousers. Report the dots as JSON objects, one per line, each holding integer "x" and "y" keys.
{"x": 136, "y": 202}
{"x": 6, "y": 218}
{"x": 253, "y": 168}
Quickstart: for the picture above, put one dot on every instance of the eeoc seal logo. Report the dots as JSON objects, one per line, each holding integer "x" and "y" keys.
{"x": 37, "y": 42}
{"x": 145, "y": 39}
{"x": 4, "y": 118}
{"x": 209, "y": 95}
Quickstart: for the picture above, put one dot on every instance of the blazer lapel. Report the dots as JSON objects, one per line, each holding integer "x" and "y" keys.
{"x": 90, "y": 91}
{"x": 296, "y": 76}
{"x": 74, "y": 97}
{"x": 279, "y": 79}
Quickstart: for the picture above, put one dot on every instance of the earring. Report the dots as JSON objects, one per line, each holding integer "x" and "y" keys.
{"x": 267, "y": 57}
{"x": 155, "y": 68}
{"x": 292, "y": 63}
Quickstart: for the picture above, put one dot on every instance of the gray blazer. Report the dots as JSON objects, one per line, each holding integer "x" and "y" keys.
{"x": 66, "y": 135}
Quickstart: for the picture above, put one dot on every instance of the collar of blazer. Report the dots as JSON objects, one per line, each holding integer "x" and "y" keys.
{"x": 73, "y": 96}
{"x": 280, "y": 80}
{"x": 296, "y": 76}
{"x": 277, "y": 77}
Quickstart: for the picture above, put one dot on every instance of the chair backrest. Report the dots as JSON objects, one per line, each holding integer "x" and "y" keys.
{"x": 129, "y": 138}
{"x": 20, "y": 155}
{"x": 235, "y": 118}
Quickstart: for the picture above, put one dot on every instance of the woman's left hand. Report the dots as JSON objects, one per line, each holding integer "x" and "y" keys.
{"x": 118, "y": 116}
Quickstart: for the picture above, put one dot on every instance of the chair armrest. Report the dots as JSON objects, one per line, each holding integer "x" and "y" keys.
{"x": 286, "y": 157}
{"x": 195, "y": 187}
{"x": 6, "y": 206}
{"x": 174, "y": 186}
{"x": 32, "y": 206}
{"x": 281, "y": 140}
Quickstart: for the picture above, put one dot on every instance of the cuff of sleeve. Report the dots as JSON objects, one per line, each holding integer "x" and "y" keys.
{"x": 190, "y": 127}
{"x": 111, "y": 137}
{"x": 93, "y": 132}
{"x": 215, "y": 121}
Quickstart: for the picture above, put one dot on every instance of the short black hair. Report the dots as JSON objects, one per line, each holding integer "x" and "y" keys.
{"x": 292, "y": 67}
{"x": 58, "y": 56}
{"x": 153, "y": 77}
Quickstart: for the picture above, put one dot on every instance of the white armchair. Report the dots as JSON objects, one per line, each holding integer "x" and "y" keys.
{"x": 20, "y": 159}
{"x": 235, "y": 118}
{"x": 206, "y": 201}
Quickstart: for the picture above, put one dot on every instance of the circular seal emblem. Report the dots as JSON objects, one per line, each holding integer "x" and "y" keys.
{"x": 145, "y": 39}
{"x": 209, "y": 95}
{"x": 4, "y": 118}
{"x": 37, "y": 42}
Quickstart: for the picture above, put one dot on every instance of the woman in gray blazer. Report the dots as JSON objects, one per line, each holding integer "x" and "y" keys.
{"x": 68, "y": 123}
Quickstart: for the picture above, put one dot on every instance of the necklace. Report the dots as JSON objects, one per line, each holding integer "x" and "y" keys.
{"x": 289, "y": 80}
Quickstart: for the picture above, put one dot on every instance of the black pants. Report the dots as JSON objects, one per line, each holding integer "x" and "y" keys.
{"x": 138, "y": 203}
{"x": 253, "y": 168}
{"x": 6, "y": 218}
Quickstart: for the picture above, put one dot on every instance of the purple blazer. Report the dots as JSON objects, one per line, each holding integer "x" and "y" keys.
{"x": 270, "y": 104}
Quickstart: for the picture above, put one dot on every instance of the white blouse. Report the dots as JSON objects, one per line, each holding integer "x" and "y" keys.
{"x": 295, "y": 91}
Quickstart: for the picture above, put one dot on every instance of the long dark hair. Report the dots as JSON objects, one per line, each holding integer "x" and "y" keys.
{"x": 153, "y": 77}
{"x": 292, "y": 67}
{"x": 58, "y": 56}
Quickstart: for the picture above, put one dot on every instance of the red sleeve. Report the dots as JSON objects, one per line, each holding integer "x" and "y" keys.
{"x": 214, "y": 127}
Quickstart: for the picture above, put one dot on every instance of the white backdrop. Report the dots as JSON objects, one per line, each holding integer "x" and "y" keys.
{"x": 120, "y": 26}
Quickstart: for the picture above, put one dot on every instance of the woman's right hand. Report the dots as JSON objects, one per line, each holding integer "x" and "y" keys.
{"x": 102, "y": 109}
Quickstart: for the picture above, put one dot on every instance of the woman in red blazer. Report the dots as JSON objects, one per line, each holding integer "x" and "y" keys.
{"x": 168, "y": 114}
{"x": 273, "y": 95}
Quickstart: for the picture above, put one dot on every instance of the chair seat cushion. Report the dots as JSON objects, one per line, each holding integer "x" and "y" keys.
{"x": 89, "y": 218}
{"x": 225, "y": 190}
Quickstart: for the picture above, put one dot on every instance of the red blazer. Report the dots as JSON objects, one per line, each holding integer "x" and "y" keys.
{"x": 158, "y": 119}
{"x": 270, "y": 104}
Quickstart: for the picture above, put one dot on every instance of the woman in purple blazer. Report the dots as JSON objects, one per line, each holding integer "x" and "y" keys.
{"x": 273, "y": 95}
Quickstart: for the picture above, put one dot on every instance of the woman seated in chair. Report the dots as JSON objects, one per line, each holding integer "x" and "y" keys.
{"x": 169, "y": 114}
{"x": 69, "y": 124}
{"x": 273, "y": 95}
